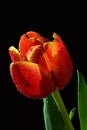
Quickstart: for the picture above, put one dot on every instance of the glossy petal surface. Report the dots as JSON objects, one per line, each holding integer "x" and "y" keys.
{"x": 61, "y": 61}
{"x": 31, "y": 80}
{"x": 28, "y": 40}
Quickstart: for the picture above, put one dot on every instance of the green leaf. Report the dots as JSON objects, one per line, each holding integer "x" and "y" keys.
{"x": 82, "y": 101}
{"x": 52, "y": 117}
{"x": 72, "y": 113}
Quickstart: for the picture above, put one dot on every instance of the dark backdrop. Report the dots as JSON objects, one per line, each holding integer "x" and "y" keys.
{"x": 66, "y": 19}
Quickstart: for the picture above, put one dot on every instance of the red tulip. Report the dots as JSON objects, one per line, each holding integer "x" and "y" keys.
{"x": 40, "y": 66}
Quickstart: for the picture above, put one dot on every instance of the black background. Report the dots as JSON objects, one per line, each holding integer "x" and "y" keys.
{"x": 68, "y": 19}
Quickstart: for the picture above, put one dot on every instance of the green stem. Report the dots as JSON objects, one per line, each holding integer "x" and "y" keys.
{"x": 59, "y": 102}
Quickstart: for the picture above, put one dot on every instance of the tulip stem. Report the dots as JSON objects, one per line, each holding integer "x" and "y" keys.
{"x": 59, "y": 102}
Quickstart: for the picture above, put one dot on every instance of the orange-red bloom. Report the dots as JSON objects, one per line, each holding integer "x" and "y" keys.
{"x": 40, "y": 66}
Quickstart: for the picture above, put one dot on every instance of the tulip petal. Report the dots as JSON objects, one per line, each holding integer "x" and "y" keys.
{"x": 37, "y": 36}
{"x": 28, "y": 40}
{"x": 14, "y": 54}
{"x": 31, "y": 80}
{"x": 61, "y": 61}
{"x": 38, "y": 55}
{"x": 25, "y": 43}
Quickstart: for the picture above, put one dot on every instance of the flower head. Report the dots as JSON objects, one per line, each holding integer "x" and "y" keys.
{"x": 39, "y": 66}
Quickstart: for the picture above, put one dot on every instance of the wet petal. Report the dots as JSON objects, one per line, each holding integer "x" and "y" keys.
{"x": 31, "y": 80}
{"x": 25, "y": 43}
{"x": 34, "y": 53}
{"x": 14, "y": 54}
{"x": 61, "y": 61}
{"x": 37, "y": 36}
{"x": 38, "y": 55}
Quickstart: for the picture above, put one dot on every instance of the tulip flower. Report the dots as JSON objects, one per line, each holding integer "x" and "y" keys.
{"x": 39, "y": 66}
